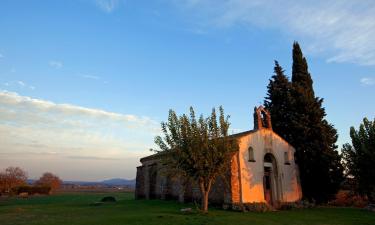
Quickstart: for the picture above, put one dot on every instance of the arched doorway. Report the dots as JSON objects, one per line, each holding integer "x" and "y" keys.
{"x": 270, "y": 179}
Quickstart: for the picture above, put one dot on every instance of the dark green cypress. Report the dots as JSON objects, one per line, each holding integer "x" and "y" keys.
{"x": 279, "y": 101}
{"x": 300, "y": 74}
{"x": 313, "y": 136}
{"x": 301, "y": 121}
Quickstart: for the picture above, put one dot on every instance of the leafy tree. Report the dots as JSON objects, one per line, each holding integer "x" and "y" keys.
{"x": 359, "y": 158}
{"x": 50, "y": 180}
{"x": 301, "y": 121}
{"x": 12, "y": 177}
{"x": 199, "y": 149}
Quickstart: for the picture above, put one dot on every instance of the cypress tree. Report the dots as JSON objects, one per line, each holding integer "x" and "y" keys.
{"x": 313, "y": 136}
{"x": 300, "y": 119}
{"x": 279, "y": 101}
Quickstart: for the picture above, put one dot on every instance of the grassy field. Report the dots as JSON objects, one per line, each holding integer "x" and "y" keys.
{"x": 75, "y": 209}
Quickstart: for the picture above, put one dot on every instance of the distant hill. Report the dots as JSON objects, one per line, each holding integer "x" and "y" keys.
{"x": 109, "y": 182}
{"x": 119, "y": 182}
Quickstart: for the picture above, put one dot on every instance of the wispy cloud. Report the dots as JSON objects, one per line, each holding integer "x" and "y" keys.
{"x": 1, "y": 56}
{"x": 108, "y": 6}
{"x": 56, "y": 64}
{"x": 342, "y": 31}
{"x": 23, "y": 84}
{"x": 19, "y": 84}
{"x": 92, "y": 158}
{"x": 70, "y": 111}
{"x": 92, "y": 77}
{"x": 367, "y": 81}
{"x": 75, "y": 135}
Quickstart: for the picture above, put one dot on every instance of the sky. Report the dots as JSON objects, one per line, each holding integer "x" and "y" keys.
{"x": 84, "y": 84}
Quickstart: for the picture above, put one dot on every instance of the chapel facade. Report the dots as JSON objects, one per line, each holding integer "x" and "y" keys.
{"x": 262, "y": 170}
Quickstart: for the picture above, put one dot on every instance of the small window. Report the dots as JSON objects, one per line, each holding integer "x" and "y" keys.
{"x": 286, "y": 158}
{"x": 251, "y": 154}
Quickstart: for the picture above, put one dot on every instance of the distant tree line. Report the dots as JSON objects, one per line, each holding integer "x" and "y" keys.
{"x": 13, "y": 180}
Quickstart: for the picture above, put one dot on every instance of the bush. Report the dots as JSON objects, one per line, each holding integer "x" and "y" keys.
{"x": 31, "y": 190}
{"x": 264, "y": 207}
{"x": 303, "y": 204}
{"x": 258, "y": 207}
{"x": 108, "y": 199}
{"x": 248, "y": 207}
{"x": 349, "y": 199}
{"x": 238, "y": 207}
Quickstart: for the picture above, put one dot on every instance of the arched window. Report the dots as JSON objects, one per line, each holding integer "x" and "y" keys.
{"x": 286, "y": 158}
{"x": 251, "y": 154}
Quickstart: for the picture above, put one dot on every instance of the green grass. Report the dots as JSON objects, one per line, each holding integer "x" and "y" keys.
{"x": 72, "y": 209}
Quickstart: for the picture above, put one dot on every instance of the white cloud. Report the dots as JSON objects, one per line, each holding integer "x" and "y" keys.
{"x": 367, "y": 81}
{"x": 19, "y": 84}
{"x": 343, "y": 31}
{"x": 75, "y": 135}
{"x": 13, "y": 99}
{"x": 92, "y": 77}
{"x": 56, "y": 64}
{"x": 108, "y": 6}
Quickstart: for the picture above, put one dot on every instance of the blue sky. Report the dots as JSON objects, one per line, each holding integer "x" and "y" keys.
{"x": 86, "y": 83}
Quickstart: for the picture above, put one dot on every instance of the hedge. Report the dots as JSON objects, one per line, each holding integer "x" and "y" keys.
{"x": 31, "y": 190}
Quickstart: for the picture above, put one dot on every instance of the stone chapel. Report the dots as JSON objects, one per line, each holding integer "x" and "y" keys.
{"x": 263, "y": 170}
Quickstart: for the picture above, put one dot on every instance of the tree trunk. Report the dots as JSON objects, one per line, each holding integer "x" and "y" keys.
{"x": 205, "y": 191}
{"x": 205, "y": 202}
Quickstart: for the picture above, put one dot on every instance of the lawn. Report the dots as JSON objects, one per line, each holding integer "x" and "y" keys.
{"x": 75, "y": 209}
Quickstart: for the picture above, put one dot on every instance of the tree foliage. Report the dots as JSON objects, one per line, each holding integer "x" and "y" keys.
{"x": 279, "y": 101}
{"x": 299, "y": 117}
{"x": 359, "y": 158}
{"x": 50, "y": 180}
{"x": 12, "y": 177}
{"x": 198, "y": 148}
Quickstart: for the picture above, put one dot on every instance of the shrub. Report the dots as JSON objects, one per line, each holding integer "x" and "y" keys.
{"x": 238, "y": 207}
{"x": 31, "y": 190}
{"x": 303, "y": 204}
{"x": 349, "y": 199}
{"x": 108, "y": 199}
{"x": 258, "y": 207}
{"x": 248, "y": 207}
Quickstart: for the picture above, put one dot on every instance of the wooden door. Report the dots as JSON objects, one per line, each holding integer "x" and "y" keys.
{"x": 267, "y": 187}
